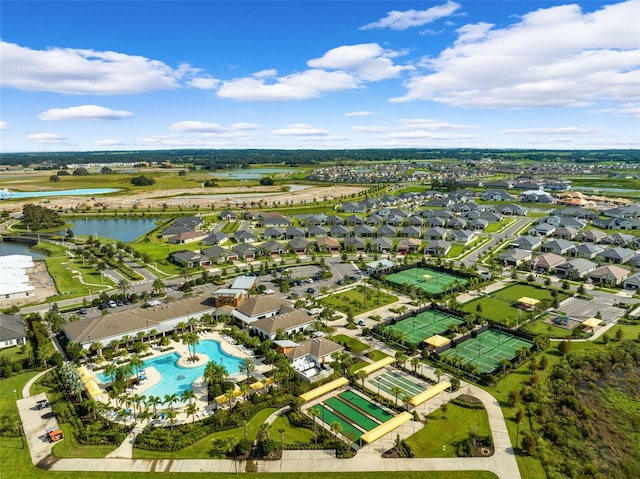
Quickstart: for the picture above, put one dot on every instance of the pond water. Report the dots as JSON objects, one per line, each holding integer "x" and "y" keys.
{"x": 251, "y": 173}
{"x": 119, "y": 229}
{"x": 610, "y": 190}
{"x": 7, "y": 248}
{"x": 6, "y": 194}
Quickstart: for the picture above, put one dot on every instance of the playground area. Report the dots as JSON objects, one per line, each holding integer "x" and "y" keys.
{"x": 416, "y": 329}
{"x": 429, "y": 280}
{"x": 355, "y": 414}
{"x": 488, "y": 349}
{"x": 391, "y": 378}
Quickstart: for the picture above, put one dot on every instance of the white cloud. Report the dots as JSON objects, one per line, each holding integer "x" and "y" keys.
{"x": 86, "y": 72}
{"x": 565, "y": 130}
{"x": 84, "y": 112}
{"x": 557, "y": 56}
{"x": 196, "y": 126}
{"x": 108, "y": 142}
{"x": 300, "y": 129}
{"x": 46, "y": 138}
{"x": 204, "y": 83}
{"x": 298, "y": 86}
{"x": 245, "y": 126}
{"x": 3, "y": 125}
{"x": 397, "y": 20}
{"x": 358, "y": 113}
{"x": 369, "y": 61}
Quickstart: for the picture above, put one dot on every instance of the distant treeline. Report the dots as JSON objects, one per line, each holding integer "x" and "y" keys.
{"x": 221, "y": 159}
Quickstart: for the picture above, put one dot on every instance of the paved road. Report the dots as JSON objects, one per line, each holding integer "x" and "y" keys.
{"x": 495, "y": 238}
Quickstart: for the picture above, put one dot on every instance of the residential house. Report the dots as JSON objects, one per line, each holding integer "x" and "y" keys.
{"x": 273, "y": 233}
{"x": 464, "y": 237}
{"x": 245, "y": 251}
{"x": 437, "y": 248}
{"x": 216, "y": 238}
{"x": 496, "y": 195}
{"x": 327, "y": 244}
{"x": 514, "y": 256}
{"x": 619, "y": 239}
{"x": 219, "y": 255}
{"x": 261, "y": 307}
{"x": 339, "y": 231}
{"x": 592, "y": 236}
{"x": 386, "y": 230}
{"x": 547, "y": 262}
{"x": 311, "y": 358}
{"x": 334, "y": 220}
{"x": 409, "y": 245}
{"x": 609, "y": 275}
{"x": 557, "y": 246}
{"x": 293, "y": 232}
{"x": 410, "y": 232}
{"x": 12, "y": 331}
{"x": 577, "y": 268}
{"x": 228, "y": 215}
{"x": 478, "y": 224}
{"x": 190, "y": 259}
{"x": 542, "y": 229}
{"x": 188, "y": 237}
{"x": 299, "y": 246}
{"x": 354, "y": 244}
{"x": 565, "y": 232}
{"x": 435, "y": 234}
{"x": 174, "y": 230}
{"x": 536, "y": 196}
{"x": 512, "y": 210}
{"x": 354, "y": 220}
{"x": 314, "y": 220}
{"x": 272, "y": 248}
{"x": 244, "y": 236}
{"x": 617, "y": 255}
{"x": 632, "y": 283}
{"x": 381, "y": 245}
{"x": 527, "y": 242}
{"x": 457, "y": 223}
{"x": 314, "y": 231}
{"x": 374, "y": 220}
{"x": 273, "y": 218}
{"x": 587, "y": 250}
{"x": 363, "y": 231}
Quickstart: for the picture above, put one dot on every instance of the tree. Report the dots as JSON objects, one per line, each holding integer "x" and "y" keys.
{"x": 142, "y": 180}
{"x": 80, "y": 171}
{"x": 247, "y": 366}
{"x": 361, "y": 375}
{"x": 192, "y": 410}
{"x": 124, "y": 285}
{"x": 105, "y": 170}
{"x": 191, "y": 340}
{"x": 619, "y": 334}
{"x": 529, "y": 444}
{"x": 54, "y": 178}
{"x": 158, "y": 287}
{"x": 396, "y": 391}
{"x": 336, "y": 428}
{"x": 313, "y": 414}
{"x": 564, "y": 347}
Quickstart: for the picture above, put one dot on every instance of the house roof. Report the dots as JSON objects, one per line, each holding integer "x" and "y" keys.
{"x": 316, "y": 347}
{"x": 286, "y": 321}
{"x": 11, "y": 327}
{"x": 263, "y": 305}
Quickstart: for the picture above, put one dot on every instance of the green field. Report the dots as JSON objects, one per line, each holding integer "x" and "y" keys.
{"x": 500, "y": 306}
{"x": 358, "y": 300}
{"x": 427, "y": 279}
{"x": 488, "y": 349}
{"x": 352, "y": 344}
{"x": 416, "y": 329}
{"x": 440, "y": 435}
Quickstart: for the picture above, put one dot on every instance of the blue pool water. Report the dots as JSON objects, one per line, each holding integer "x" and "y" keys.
{"x": 176, "y": 379}
{"x": 7, "y": 195}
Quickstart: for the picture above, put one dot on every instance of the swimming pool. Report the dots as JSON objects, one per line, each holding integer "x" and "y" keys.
{"x": 175, "y": 378}
{"x": 10, "y": 195}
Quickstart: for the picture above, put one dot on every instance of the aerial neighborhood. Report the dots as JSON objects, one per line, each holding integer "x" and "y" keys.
{"x": 348, "y": 321}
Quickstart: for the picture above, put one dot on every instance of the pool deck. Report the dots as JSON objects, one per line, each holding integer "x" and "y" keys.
{"x": 199, "y": 386}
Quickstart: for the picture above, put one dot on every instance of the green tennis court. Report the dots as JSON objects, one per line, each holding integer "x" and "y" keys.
{"x": 416, "y": 329}
{"x": 487, "y": 349}
{"x": 427, "y": 279}
{"x": 366, "y": 406}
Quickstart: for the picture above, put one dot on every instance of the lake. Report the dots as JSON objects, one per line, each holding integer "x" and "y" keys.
{"x": 119, "y": 229}
{"x": 10, "y": 195}
{"x": 8, "y": 248}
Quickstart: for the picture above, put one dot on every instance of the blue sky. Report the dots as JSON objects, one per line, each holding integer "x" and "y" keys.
{"x": 104, "y": 75}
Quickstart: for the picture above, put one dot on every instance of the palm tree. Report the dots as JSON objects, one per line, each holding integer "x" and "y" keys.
{"x": 313, "y": 414}
{"x": 281, "y": 430}
{"x": 192, "y": 410}
{"x": 505, "y": 364}
{"x": 136, "y": 363}
{"x": 170, "y": 399}
{"x": 158, "y": 287}
{"x": 396, "y": 391}
{"x": 145, "y": 416}
{"x": 124, "y": 285}
{"x": 361, "y": 375}
{"x": 336, "y": 428}
{"x": 191, "y": 340}
{"x": 415, "y": 362}
{"x": 247, "y": 366}
{"x": 154, "y": 401}
{"x": 401, "y": 358}
{"x": 110, "y": 371}
{"x": 171, "y": 416}
{"x": 187, "y": 395}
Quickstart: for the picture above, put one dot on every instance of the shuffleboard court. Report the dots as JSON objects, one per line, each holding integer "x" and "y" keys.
{"x": 389, "y": 379}
{"x": 329, "y": 418}
{"x": 427, "y": 279}
{"x": 350, "y": 413}
{"x": 367, "y": 406}
{"x": 416, "y": 329}
{"x": 488, "y": 349}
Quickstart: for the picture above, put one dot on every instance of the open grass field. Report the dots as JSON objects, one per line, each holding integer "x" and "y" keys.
{"x": 358, "y": 300}
{"x": 488, "y": 349}
{"x": 427, "y": 279}
{"x": 500, "y": 306}
{"x": 439, "y": 436}
{"x": 416, "y": 329}
{"x": 352, "y": 344}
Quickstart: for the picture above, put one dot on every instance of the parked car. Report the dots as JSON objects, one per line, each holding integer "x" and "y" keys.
{"x": 312, "y": 291}
{"x": 112, "y": 304}
{"x": 82, "y": 311}
{"x": 361, "y": 322}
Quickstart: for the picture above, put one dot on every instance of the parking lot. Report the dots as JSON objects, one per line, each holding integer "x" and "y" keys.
{"x": 582, "y": 309}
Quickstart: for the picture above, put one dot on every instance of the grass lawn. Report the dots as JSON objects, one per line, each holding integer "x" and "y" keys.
{"x": 439, "y": 437}
{"x": 159, "y": 252}
{"x": 500, "y": 305}
{"x": 352, "y": 344}
{"x": 14, "y": 353}
{"x": 551, "y": 330}
{"x": 377, "y": 355}
{"x": 456, "y": 250}
{"x": 358, "y": 365}
{"x": 292, "y": 434}
{"x": 358, "y": 300}
{"x": 211, "y": 446}
{"x": 71, "y": 448}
